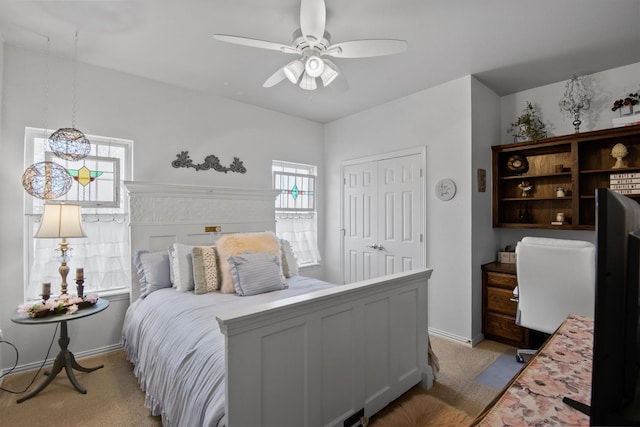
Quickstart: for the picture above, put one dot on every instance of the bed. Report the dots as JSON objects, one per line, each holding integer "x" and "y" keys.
{"x": 309, "y": 354}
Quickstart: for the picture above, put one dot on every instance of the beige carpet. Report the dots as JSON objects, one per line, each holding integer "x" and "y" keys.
{"x": 115, "y": 399}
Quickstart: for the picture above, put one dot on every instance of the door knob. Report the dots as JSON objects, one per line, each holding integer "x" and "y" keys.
{"x": 374, "y": 246}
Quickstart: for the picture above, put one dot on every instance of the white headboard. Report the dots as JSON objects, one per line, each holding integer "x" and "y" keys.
{"x": 163, "y": 214}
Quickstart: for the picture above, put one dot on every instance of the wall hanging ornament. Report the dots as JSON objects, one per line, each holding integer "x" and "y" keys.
{"x": 210, "y": 162}
{"x": 70, "y": 143}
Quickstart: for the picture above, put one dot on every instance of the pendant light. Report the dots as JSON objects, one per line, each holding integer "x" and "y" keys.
{"x": 46, "y": 180}
{"x": 70, "y": 143}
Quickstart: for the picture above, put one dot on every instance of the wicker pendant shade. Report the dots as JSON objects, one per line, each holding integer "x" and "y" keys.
{"x": 46, "y": 180}
{"x": 69, "y": 144}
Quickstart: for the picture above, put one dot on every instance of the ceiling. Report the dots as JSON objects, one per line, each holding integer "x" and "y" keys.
{"x": 509, "y": 45}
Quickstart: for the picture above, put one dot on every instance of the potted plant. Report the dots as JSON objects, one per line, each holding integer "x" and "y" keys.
{"x": 625, "y": 105}
{"x": 528, "y": 126}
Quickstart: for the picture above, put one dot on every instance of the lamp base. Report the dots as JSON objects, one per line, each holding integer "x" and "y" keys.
{"x": 64, "y": 271}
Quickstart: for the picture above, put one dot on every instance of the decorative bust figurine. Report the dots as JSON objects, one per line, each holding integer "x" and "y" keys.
{"x": 619, "y": 152}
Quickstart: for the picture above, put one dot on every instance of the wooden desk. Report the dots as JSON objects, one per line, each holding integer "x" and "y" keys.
{"x": 561, "y": 368}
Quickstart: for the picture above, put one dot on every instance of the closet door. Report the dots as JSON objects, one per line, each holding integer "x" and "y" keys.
{"x": 382, "y": 217}
{"x": 400, "y": 246}
{"x": 360, "y": 219}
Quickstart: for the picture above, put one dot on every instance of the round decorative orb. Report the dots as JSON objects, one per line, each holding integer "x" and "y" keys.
{"x": 69, "y": 144}
{"x": 46, "y": 180}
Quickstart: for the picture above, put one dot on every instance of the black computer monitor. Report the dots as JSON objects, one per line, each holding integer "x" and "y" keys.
{"x": 615, "y": 388}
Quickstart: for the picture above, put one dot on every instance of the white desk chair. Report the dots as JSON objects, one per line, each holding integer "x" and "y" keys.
{"x": 556, "y": 278}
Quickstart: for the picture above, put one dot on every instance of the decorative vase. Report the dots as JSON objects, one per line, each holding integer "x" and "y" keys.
{"x": 619, "y": 152}
{"x": 626, "y": 110}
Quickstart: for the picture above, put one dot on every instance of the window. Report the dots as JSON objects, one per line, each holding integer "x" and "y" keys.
{"x": 296, "y": 219}
{"x": 97, "y": 188}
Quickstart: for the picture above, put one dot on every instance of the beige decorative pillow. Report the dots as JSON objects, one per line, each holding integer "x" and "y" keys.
{"x": 237, "y": 244}
{"x": 205, "y": 269}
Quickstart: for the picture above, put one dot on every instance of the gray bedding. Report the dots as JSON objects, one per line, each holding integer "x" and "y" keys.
{"x": 177, "y": 349}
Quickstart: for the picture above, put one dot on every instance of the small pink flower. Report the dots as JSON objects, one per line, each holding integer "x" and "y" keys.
{"x": 72, "y": 309}
{"x": 92, "y": 298}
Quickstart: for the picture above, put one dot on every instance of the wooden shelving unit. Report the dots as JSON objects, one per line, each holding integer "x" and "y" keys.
{"x": 579, "y": 162}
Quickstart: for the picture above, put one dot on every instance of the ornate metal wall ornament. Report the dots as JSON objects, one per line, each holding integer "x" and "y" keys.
{"x": 210, "y": 162}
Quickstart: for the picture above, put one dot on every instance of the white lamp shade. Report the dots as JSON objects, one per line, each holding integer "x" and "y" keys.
{"x": 293, "y": 70}
{"x": 61, "y": 221}
{"x": 314, "y": 66}
{"x": 328, "y": 75}
{"x": 308, "y": 83}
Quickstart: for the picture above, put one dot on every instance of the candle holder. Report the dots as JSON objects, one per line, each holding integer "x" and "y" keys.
{"x": 80, "y": 287}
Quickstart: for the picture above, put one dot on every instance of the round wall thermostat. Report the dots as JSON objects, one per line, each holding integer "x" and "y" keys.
{"x": 445, "y": 189}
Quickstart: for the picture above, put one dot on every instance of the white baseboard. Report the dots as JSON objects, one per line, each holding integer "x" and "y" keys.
{"x": 450, "y": 336}
{"x": 79, "y": 355}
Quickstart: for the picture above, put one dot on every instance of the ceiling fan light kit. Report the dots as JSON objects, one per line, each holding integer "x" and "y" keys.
{"x": 308, "y": 83}
{"x": 312, "y": 42}
{"x": 293, "y": 71}
{"x": 314, "y": 66}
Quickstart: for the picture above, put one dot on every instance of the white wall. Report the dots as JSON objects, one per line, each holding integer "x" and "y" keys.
{"x": 485, "y": 131}
{"x": 607, "y": 86}
{"x": 440, "y": 119}
{"x": 162, "y": 120}
{"x": 2, "y": 251}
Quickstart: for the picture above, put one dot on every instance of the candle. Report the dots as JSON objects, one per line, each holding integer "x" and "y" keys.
{"x": 46, "y": 290}
{"x": 79, "y": 273}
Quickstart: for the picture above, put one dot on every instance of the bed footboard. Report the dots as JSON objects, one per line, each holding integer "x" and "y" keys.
{"x": 329, "y": 357}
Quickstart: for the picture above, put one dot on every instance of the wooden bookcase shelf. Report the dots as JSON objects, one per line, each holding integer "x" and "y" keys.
{"x": 579, "y": 163}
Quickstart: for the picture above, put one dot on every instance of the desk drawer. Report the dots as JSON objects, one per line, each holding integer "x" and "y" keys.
{"x": 502, "y": 280}
{"x": 503, "y": 326}
{"x": 499, "y": 300}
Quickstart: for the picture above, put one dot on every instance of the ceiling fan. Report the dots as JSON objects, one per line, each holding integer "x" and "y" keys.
{"x": 312, "y": 42}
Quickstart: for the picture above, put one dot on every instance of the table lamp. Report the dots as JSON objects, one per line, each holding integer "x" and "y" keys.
{"x": 61, "y": 221}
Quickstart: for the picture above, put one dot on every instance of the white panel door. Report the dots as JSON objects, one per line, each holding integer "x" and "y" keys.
{"x": 400, "y": 213}
{"x": 360, "y": 217}
{"x": 382, "y": 217}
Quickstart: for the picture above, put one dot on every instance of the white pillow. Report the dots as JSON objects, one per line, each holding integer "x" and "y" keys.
{"x": 289, "y": 261}
{"x": 171, "y": 266}
{"x": 182, "y": 267}
{"x": 256, "y": 272}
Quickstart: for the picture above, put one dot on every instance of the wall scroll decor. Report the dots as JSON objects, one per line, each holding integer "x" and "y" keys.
{"x": 210, "y": 162}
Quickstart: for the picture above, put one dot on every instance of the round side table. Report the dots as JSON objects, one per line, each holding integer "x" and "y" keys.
{"x": 65, "y": 359}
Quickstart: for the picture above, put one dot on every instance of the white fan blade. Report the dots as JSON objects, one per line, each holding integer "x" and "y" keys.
{"x": 366, "y": 48}
{"x": 275, "y": 78}
{"x": 262, "y": 44}
{"x": 313, "y": 16}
